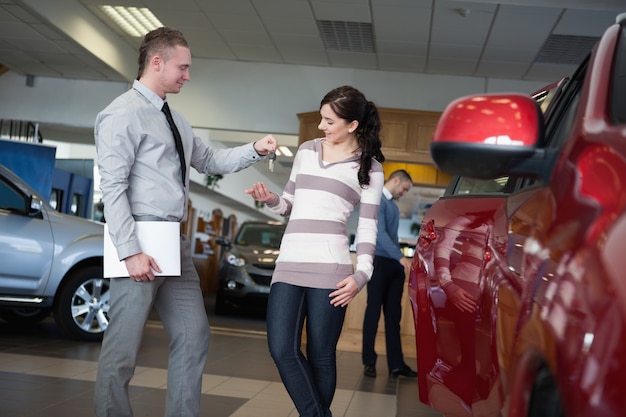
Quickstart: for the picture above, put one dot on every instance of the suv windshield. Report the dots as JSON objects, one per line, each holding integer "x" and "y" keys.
{"x": 266, "y": 235}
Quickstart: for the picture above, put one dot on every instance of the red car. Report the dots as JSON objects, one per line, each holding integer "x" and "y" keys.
{"x": 518, "y": 283}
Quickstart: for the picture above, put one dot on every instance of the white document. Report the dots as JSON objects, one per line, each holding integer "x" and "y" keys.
{"x": 161, "y": 240}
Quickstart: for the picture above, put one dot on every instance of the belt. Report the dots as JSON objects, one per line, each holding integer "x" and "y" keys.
{"x": 151, "y": 218}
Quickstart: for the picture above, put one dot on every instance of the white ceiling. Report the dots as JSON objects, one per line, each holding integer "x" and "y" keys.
{"x": 535, "y": 40}
{"x": 486, "y": 38}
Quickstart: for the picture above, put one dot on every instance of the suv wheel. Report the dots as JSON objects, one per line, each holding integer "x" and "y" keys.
{"x": 545, "y": 400}
{"x": 82, "y": 307}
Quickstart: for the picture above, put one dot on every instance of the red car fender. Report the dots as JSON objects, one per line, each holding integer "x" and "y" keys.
{"x": 423, "y": 318}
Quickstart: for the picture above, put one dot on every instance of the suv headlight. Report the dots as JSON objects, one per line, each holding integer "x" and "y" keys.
{"x": 235, "y": 260}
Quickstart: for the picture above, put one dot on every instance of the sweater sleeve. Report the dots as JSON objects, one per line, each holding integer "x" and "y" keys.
{"x": 368, "y": 226}
{"x": 282, "y": 204}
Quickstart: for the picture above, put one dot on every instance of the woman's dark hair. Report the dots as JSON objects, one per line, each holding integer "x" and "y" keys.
{"x": 350, "y": 104}
{"x": 159, "y": 41}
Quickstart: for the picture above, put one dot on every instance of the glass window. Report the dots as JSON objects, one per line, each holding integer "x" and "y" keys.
{"x": 261, "y": 235}
{"x": 56, "y": 199}
{"x": 76, "y": 206}
{"x": 549, "y": 95}
{"x": 476, "y": 186}
{"x": 559, "y": 126}
{"x": 11, "y": 200}
{"x": 618, "y": 91}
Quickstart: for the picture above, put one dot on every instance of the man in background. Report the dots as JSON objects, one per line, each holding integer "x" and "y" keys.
{"x": 384, "y": 291}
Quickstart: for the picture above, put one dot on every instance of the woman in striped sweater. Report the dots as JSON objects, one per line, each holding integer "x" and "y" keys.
{"x": 315, "y": 277}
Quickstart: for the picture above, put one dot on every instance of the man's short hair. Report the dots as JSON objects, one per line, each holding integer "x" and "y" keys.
{"x": 402, "y": 174}
{"x": 159, "y": 41}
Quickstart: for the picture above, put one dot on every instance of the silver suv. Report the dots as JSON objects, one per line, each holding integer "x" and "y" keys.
{"x": 49, "y": 262}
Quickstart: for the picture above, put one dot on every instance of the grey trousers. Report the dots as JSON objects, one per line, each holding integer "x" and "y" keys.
{"x": 180, "y": 306}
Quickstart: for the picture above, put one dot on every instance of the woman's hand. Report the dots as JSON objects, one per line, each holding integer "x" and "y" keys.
{"x": 347, "y": 290}
{"x": 260, "y": 193}
{"x": 266, "y": 145}
{"x": 460, "y": 298}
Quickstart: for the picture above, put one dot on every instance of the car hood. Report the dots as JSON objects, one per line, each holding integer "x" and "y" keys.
{"x": 74, "y": 227}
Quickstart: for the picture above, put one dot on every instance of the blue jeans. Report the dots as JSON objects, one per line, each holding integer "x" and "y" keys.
{"x": 310, "y": 380}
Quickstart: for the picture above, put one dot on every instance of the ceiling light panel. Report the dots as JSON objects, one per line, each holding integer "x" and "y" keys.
{"x": 135, "y": 21}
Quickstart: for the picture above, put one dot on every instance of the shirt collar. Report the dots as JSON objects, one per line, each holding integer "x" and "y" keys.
{"x": 150, "y": 95}
{"x": 387, "y": 193}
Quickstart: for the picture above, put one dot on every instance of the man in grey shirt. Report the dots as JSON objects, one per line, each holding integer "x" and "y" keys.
{"x": 144, "y": 177}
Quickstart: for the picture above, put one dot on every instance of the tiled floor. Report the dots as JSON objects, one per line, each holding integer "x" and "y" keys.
{"x": 43, "y": 374}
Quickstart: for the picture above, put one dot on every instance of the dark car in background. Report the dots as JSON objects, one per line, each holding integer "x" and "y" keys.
{"x": 518, "y": 282}
{"x": 50, "y": 262}
{"x": 246, "y": 266}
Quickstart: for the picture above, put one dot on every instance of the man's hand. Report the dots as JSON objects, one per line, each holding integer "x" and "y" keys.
{"x": 140, "y": 267}
{"x": 266, "y": 145}
{"x": 406, "y": 263}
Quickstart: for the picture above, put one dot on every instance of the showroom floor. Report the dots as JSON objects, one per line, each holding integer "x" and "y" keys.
{"x": 42, "y": 373}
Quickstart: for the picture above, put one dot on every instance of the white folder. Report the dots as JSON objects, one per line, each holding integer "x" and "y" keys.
{"x": 161, "y": 240}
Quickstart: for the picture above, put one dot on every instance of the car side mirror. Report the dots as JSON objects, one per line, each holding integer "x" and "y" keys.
{"x": 223, "y": 241}
{"x": 34, "y": 207}
{"x": 483, "y": 136}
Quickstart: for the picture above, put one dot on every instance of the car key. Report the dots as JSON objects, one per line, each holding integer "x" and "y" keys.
{"x": 272, "y": 158}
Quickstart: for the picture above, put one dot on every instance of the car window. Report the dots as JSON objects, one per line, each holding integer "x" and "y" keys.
{"x": 476, "y": 186}
{"x": 548, "y": 96}
{"x": 260, "y": 235}
{"x": 10, "y": 199}
{"x": 472, "y": 186}
{"x": 618, "y": 92}
{"x": 563, "y": 129}
{"x": 560, "y": 122}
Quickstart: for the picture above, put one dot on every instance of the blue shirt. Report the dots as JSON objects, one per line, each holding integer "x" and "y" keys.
{"x": 387, "y": 242}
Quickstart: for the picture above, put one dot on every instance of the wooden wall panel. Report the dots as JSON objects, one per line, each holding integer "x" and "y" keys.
{"x": 394, "y": 134}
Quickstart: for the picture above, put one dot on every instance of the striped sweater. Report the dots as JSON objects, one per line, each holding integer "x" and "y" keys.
{"x": 318, "y": 199}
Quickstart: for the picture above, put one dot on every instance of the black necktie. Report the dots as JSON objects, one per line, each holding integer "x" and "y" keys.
{"x": 179, "y": 142}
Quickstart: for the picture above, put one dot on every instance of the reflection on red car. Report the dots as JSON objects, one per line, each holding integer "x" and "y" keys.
{"x": 518, "y": 283}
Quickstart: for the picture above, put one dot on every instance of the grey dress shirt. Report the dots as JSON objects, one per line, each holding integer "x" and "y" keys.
{"x": 139, "y": 166}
